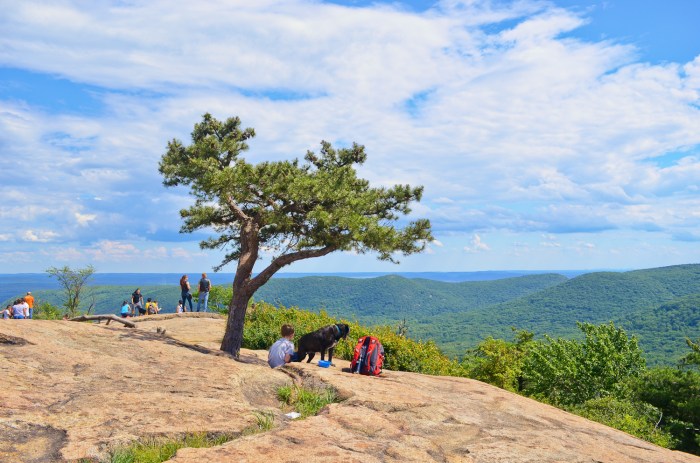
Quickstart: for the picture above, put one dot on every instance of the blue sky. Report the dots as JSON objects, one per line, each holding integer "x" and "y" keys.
{"x": 548, "y": 134}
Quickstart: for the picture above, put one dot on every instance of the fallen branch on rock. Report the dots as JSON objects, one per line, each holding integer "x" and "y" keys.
{"x": 167, "y": 316}
{"x": 108, "y": 317}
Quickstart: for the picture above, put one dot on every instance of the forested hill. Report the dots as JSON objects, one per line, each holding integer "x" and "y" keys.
{"x": 659, "y": 305}
{"x": 391, "y": 297}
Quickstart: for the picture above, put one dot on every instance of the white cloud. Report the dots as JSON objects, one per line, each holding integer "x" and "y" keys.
{"x": 39, "y": 236}
{"x": 476, "y": 245}
{"x": 84, "y": 219}
{"x": 519, "y": 129}
{"x": 550, "y": 241}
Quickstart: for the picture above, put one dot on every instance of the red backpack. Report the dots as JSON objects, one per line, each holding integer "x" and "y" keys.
{"x": 368, "y": 357}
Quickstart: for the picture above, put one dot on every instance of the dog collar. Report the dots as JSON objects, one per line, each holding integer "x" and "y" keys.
{"x": 337, "y": 330}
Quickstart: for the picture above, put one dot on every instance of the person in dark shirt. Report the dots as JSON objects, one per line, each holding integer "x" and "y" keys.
{"x": 137, "y": 303}
{"x": 204, "y": 287}
{"x": 185, "y": 292}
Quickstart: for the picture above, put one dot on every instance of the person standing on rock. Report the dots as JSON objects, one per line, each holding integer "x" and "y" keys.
{"x": 29, "y": 299}
{"x": 185, "y": 293}
{"x": 137, "y": 303}
{"x": 204, "y": 287}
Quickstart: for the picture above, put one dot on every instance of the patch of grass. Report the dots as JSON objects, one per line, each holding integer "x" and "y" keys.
{"x": 306, "y": 401}
{"x": 157, "y": 450}
{"x": 264, "y": 422}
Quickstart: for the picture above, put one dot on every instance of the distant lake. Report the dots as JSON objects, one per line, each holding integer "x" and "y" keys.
{"x": 13, "y": 284}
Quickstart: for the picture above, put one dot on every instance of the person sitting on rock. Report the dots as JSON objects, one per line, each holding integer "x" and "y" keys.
{"x": 126, "y": 310}
{"x": 151, "y": 307}
{"x": 20, "y": 310}
{"x": 282, "y": 351}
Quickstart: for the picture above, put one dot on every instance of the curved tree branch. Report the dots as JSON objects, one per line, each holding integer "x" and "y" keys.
{"x": 287, "y": 259}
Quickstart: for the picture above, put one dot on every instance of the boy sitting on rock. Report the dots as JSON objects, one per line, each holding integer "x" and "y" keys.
{"x": 282, "y": 351}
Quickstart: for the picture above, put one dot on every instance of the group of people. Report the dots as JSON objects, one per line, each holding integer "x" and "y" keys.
{"x": 185, "y": 292}
{"x": 22, "y": 308}
{"x": 137, "y": 306}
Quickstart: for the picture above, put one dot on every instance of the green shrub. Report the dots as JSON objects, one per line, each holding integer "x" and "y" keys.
{"x": 676, "y": 392}
{"x": 47, "y": 311}
{"x": 637, "y": 418}
{"x": 570, "y": 372}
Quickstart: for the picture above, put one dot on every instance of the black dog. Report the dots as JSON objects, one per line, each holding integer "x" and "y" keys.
{"x": 322, "y": 340}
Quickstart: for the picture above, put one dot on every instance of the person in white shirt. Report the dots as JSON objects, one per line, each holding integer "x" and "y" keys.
{"x": 282, "y": 351}
{"x": 20, "y": 310}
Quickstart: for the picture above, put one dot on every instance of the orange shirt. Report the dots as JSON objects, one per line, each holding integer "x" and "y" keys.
{"x": 30, "y": 300}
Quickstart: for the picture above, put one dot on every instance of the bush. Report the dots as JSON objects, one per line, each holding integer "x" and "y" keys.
{"x": 570, "y": 372}
{"x": 676, "y": 393}
{"x": 499, "y": 362}
{"x": 47, "y": 311}
{"x": 637, "y": 418}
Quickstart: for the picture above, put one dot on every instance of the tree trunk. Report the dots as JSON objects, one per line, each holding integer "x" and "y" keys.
{"x": 233, "y": 338}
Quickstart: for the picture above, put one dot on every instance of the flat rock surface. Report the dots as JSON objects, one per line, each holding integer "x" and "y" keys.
{"x": 72, "y": 390}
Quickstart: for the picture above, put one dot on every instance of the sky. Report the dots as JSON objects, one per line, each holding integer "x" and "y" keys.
{"x": 548, "y": 134}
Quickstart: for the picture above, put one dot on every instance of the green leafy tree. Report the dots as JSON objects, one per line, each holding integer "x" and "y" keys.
{"x": 296, "y": 210}
{"x": 73, "y": 283}
{"x": 220, "y": 298}
{"x": 676, "y": 392}
{"x": 693, "y": 357}
{"x": 568, "y": 372}
{"x": 499, "y": 362}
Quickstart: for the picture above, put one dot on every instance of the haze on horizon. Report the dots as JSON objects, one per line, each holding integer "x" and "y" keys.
{"x": 556, "y": 134}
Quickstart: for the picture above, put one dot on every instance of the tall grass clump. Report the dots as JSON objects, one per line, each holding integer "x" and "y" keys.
{"x": 304, "y": 400}
{"x": 159, "y": 449}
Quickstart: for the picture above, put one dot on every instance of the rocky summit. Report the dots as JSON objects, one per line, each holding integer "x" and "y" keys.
{"x": 74, "y": 391}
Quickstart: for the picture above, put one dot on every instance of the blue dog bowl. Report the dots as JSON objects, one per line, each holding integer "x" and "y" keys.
{"x": 324, "y": 363}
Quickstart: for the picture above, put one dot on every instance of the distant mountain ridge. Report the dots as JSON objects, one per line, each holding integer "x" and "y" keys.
{"x": 393, "y": 297}
{"x": 661, "y": 306}
{"x": 642, "y": 301}
{"x": 16, "y": 284}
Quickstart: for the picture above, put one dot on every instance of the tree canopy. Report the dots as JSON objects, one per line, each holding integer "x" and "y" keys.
{"x": 297, "y": 210}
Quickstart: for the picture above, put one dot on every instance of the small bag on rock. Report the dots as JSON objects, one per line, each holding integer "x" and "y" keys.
{"x": 368, "y": 357}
